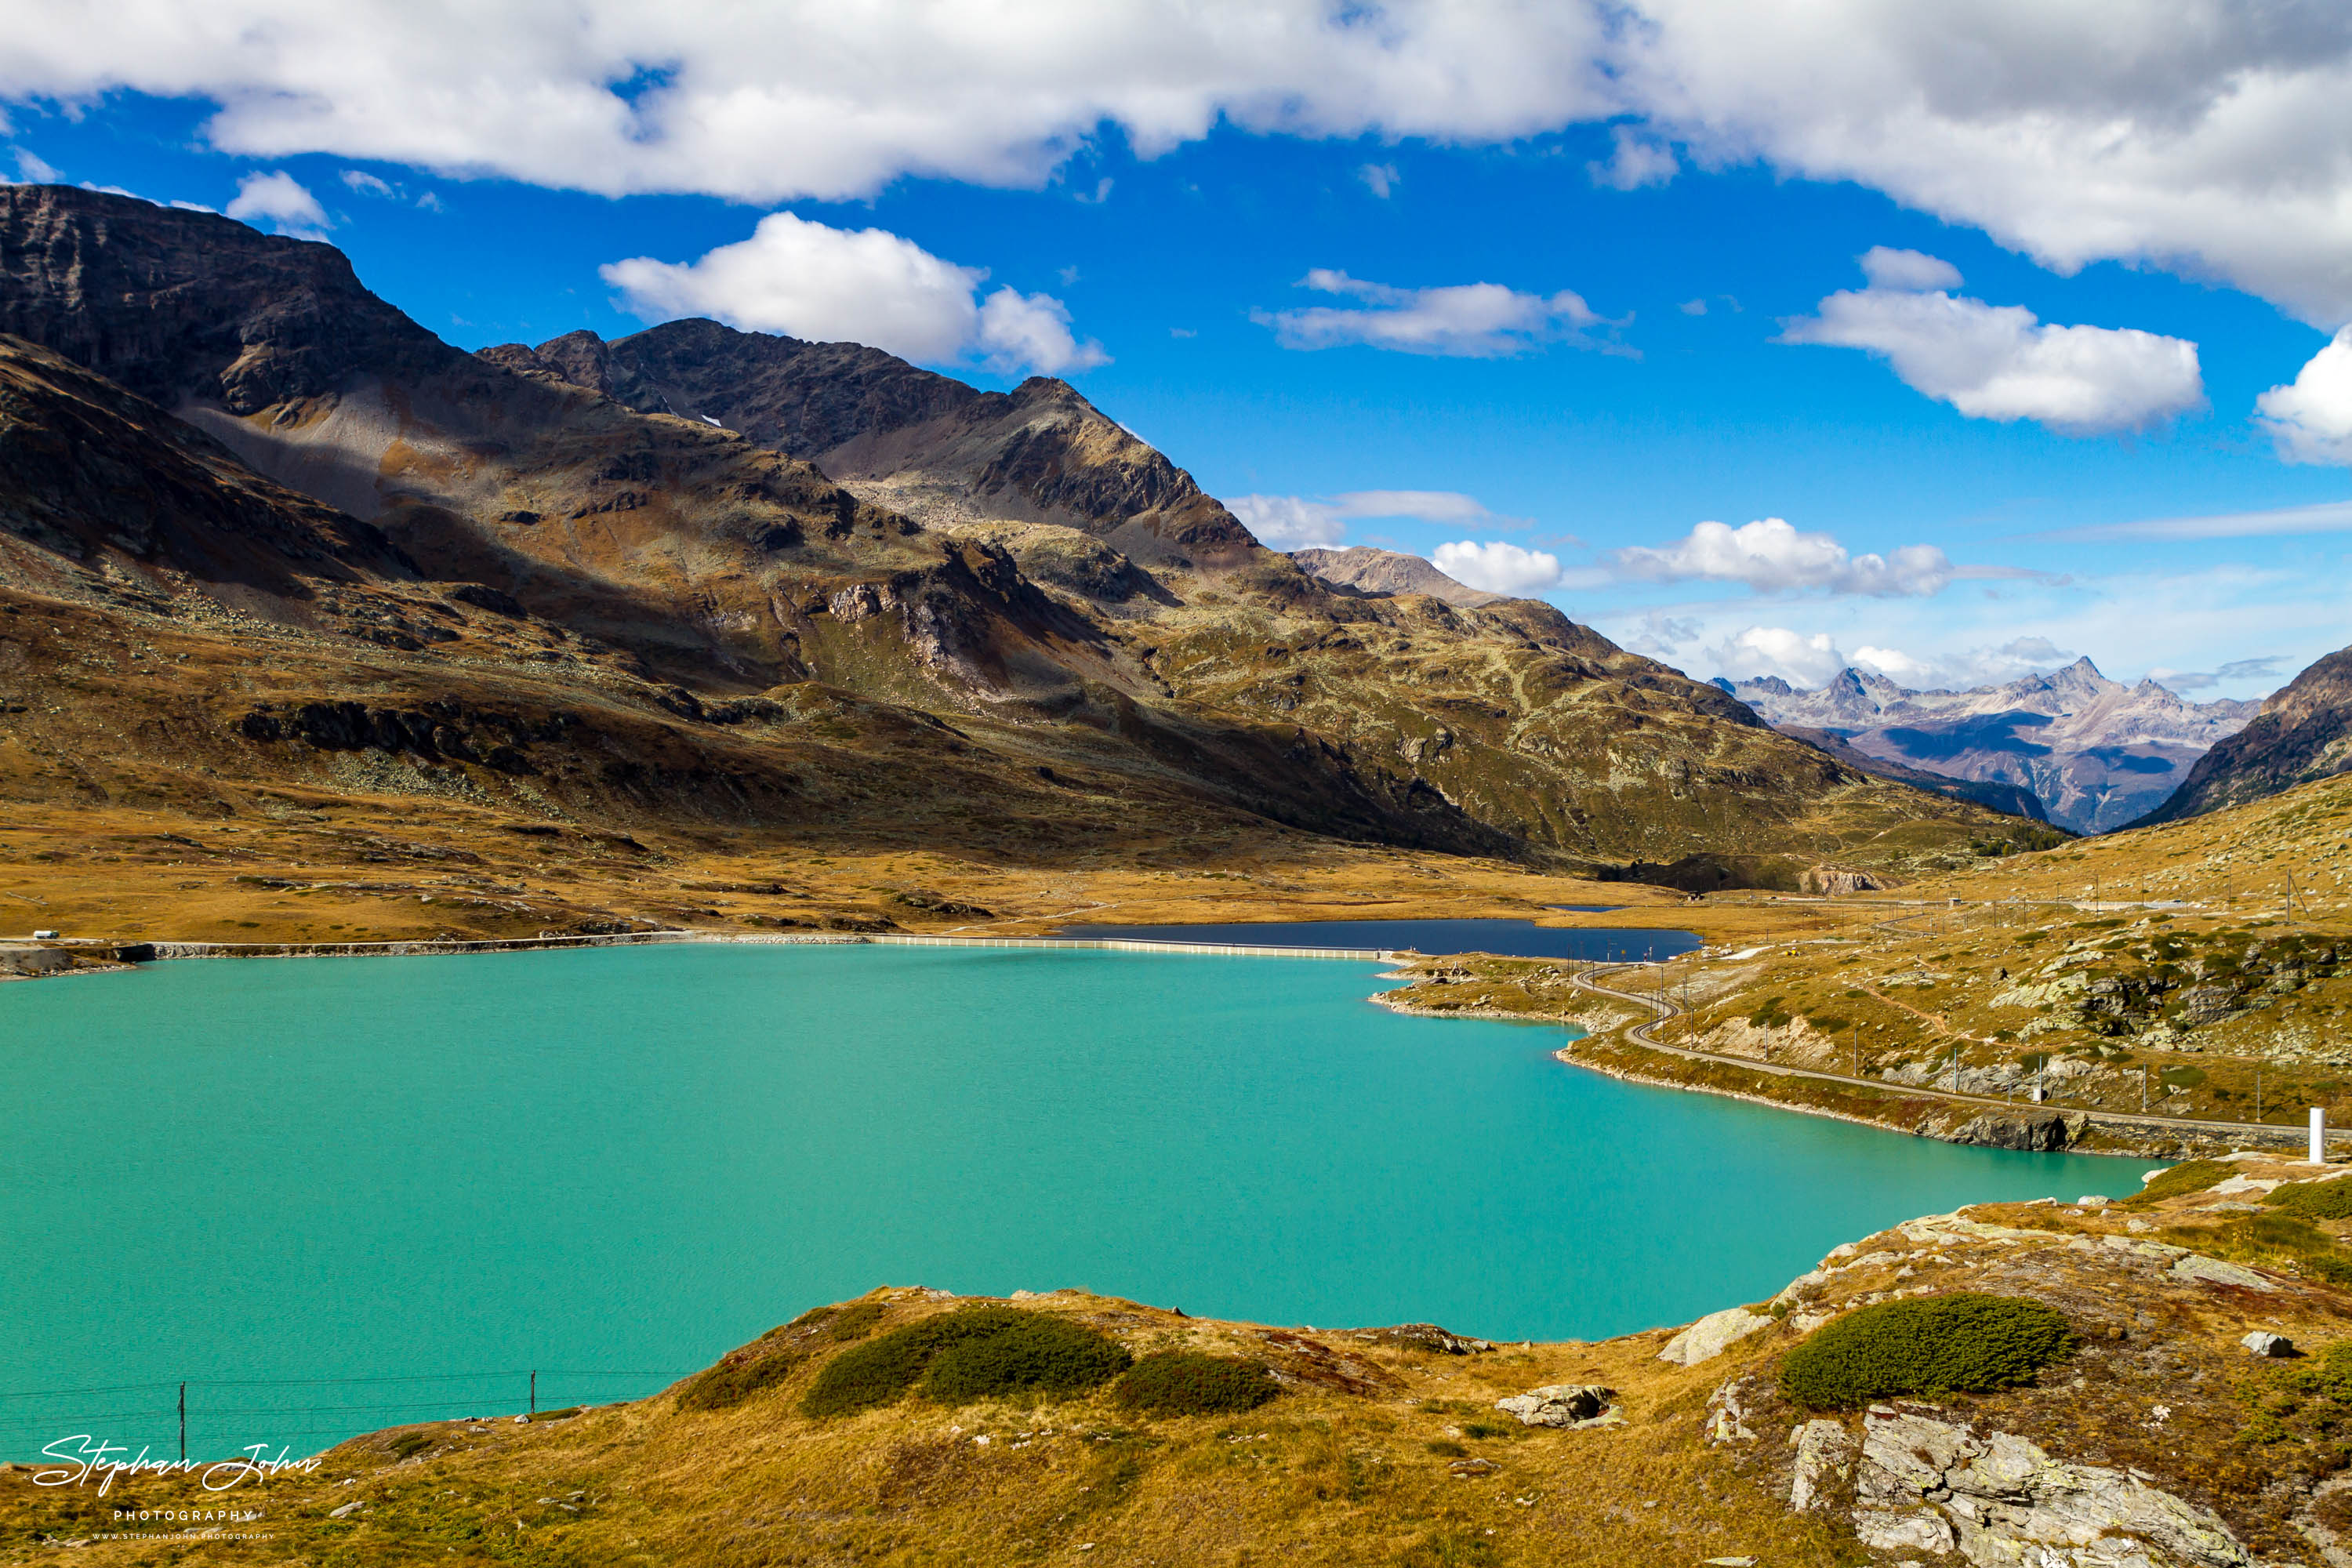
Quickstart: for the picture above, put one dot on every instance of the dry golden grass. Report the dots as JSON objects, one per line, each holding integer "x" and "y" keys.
{"x": 1361, "y": 1459}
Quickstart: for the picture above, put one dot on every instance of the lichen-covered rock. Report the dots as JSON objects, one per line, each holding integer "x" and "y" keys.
{"x": 1727, "y": 1413}
{"x": 1711, "y": 1335}
{"x": 2003, "y": 1502}
{"x": 1825, "y": 1451}
{"x": 2196, "y": 1266}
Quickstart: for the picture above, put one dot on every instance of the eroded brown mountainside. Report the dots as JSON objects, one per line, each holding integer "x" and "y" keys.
{"x": 2303, "y": 733}
{"x": 697, "y": 518}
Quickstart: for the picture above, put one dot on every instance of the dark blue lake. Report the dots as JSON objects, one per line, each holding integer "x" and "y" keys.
{"x": 1515, "y": 939}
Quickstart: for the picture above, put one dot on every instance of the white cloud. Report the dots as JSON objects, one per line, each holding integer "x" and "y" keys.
{"x": 32, "y": 169}
{"x": 1380, "y": 179}
{"x": 2310, "y": 420}
{"x": 1498, "y": 566}
{"x": 1473, "y": 321}
{"x": 1810, "y": 660}
{"x": 369, "y": 185}
{"x": 1962, "y": 669}
{"x": 1887, "y": 268}
{"x": 2265, "y": 668}
{"x": 1693, "y": 307}
{"x": 1451, "y": 507}
{"x": 1032, "y": 332}
{"x": 867, "y": 286}
{"x": 2328, "y": 517}
{"x": 1772, "y": 556}
{"x": 1659, "y": 634}
{"x": 1758, "y": 651}
{"x": 1996, "y": 362}
{"x": 1299, "y": 521}
{"x": 798, "y": 98}
{"x": 2203, "y": 135}
{"x": 280, "y": 201}
{"x": 1289, "y": 522}
{"x": 1637, "y": 161}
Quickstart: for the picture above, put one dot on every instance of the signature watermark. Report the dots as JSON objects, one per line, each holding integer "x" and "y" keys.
{"x": 86, "y": 1459}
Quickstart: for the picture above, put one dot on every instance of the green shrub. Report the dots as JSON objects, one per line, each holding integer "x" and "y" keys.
{"x": 2189, "y": 1177}
{"x": 855, "y": 1322}
{"x": 729, "y": 1383}
{"x": 873, "y": 1374}
{"x": 883, "y": 1370}
{"x": 1043, "y": 1355}
{"x": 1771, "y": 1016}
{"x": 2324, "y": 1375}
{"x": 2314, "y": 1200}
{"x": 1966, "y": 1342}
{"x": 1186, "y": 1383}
{"x": 409, "y": 1444}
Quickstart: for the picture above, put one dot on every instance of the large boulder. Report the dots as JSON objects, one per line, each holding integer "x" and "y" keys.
{"x": 1711, "y": 1335}
{"x": 1561, "y": 1404}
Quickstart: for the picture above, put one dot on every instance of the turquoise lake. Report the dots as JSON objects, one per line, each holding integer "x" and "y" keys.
{"x": 623, "y": 1162}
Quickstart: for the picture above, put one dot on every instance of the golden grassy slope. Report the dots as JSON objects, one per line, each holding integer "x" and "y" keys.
{"x": 1382, "y": 1450}
{"x": 2208, "y": 996}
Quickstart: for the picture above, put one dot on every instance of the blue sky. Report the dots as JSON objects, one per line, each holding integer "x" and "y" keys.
{"x": 1962, "y": 495}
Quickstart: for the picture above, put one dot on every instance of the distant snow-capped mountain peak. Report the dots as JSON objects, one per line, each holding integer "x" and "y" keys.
{"x": 2096, "y": 753}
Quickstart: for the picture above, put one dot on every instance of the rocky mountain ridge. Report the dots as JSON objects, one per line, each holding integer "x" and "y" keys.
{"x": 2303, "y": 731}
{"x": 1371, "y": 571}
{"x": 2096, "y": 752}
{"x": 1015, "y": 562}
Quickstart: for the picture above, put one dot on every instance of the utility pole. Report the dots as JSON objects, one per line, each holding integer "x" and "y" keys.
{"x": 184, "y": 1423}
{"x": 534, "y": 1393}
{"x": 2144, "y": 1070}
{"x": 2258, "y": 1093}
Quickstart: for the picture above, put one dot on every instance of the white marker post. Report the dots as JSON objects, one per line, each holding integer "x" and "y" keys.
{"x": 2319, "y": 1135}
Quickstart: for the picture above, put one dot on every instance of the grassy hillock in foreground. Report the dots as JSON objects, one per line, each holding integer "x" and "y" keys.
{"x": 912, "y": 1428}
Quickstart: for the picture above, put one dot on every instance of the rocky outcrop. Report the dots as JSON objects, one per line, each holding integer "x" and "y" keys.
{"x": 1824, "y": 1464}
{"x": 2041, "y": 1131}
{"x": 1563, "y": 1404}
{"x": 1927, "y": 1485}
{"x": 2304, "y": 732}
{"x": 1833, "y": 881}
{"x": 26, "y": 962}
